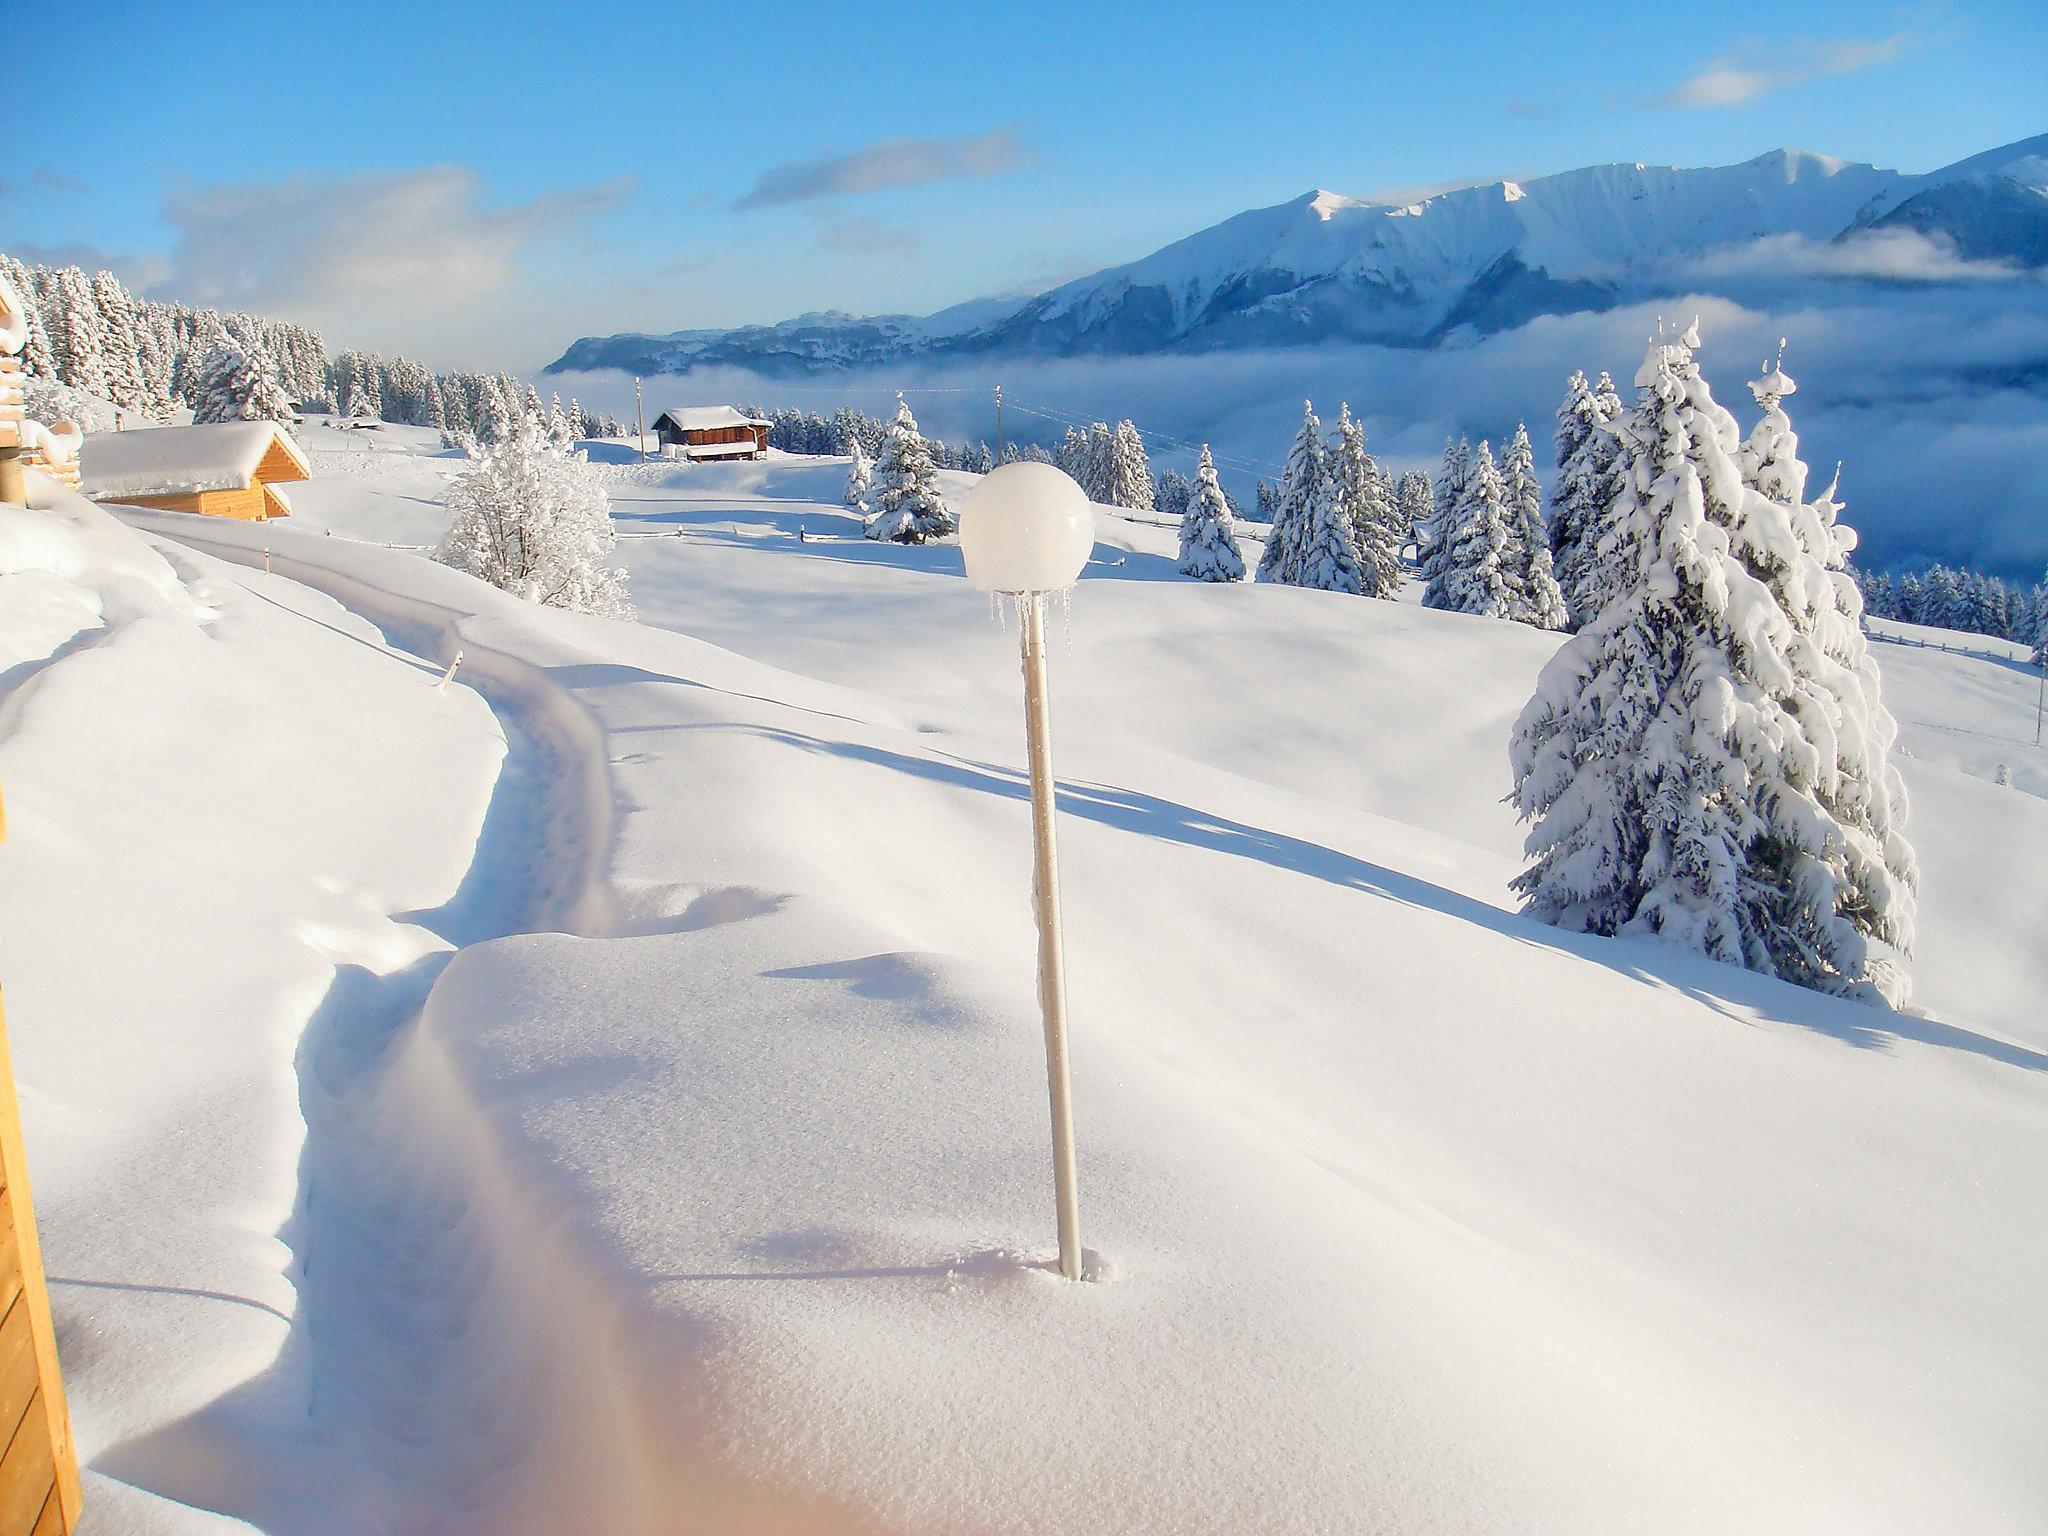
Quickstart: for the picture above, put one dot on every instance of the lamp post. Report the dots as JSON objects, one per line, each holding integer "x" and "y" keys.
{"x": 1026, "y": 530}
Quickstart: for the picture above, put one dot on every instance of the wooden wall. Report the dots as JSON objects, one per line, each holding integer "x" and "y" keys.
{"x": 250, "y": 506}
{"x": 39, "y": 1493}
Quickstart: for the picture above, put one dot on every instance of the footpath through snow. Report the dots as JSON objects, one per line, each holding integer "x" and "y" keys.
{"x": 726, "y": 1207}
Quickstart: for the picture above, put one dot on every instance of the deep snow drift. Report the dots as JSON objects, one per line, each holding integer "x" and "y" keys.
{"x": 708, "y": 1190}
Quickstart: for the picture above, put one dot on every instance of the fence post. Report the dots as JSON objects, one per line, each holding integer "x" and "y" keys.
{"x": 39, "y": 1467}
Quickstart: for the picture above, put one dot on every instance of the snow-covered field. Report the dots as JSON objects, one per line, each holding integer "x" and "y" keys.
{"x": 607, "y": 1094}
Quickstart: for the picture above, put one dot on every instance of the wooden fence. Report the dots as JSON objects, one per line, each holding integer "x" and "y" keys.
{"x": 39, "y": 1494}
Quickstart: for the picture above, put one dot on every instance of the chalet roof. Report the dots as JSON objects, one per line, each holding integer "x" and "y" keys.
{"x": 705, "y": 418}
{"x": 178, "y": 461}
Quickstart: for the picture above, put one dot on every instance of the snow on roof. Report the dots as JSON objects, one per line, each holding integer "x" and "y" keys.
{"x": 703, "y": 418}
{"x": 176, "y": 461}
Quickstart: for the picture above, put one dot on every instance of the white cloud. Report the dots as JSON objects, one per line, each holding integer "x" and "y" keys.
{"x": 1891, "y": 255}
{"x": 891, "y": 163}
{"x": 400, "y": 259}
{"x": 1735, "y": 79}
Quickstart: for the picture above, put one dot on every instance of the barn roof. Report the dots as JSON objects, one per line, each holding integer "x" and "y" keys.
{"x": 176, "y": 461}
{"x": 704, "y": 418}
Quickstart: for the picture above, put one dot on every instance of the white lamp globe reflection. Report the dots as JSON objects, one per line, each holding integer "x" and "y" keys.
{"x": 1026, "y": 528}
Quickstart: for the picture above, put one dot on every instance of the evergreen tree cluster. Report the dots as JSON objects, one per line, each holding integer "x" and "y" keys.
{"x": 902, "y": 493}
{"x": 1482, "y": 544}
{"x": 808, "y": 432}
{"x": 1708, "y": 760}
{"x": 1946, "y": 598}
{"x": 1335, "y": 516}
{"x": 151, "y": 356}
{"x": 1110, "y": 464}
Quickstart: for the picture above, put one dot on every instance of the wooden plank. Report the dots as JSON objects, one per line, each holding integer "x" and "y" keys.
{"x": 27, "y": 1476}
{"x": 51, "y": 1521}
{"x": 17, "y": 1367}
{"x": 10, "y": 1255}
{"x": 20, "y": 1202}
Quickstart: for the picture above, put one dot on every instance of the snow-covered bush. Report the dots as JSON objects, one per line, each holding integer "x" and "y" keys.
{"x": 1208, "y": 532}
{"x": 49, "y": 402}
{"x": 530, "y": 518}
{"x": 909, "y": 507}
{"x": 1707, "y": 760}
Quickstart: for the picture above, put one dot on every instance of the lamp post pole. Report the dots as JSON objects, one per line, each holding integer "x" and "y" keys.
{"x": 1026, "y": 529}
{"x": 1045, "y": 905}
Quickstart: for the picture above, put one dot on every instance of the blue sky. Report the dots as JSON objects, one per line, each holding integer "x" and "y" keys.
{"x": 477, "y": 185}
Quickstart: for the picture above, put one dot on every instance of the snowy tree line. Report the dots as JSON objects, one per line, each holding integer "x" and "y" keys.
{"x": 1707, "y": 759}
{"x": 1482, "y": 544}
{"x": 1337, "y": 519}
{"x": 1947, "y": 598}
{"x": 91, "y": 337}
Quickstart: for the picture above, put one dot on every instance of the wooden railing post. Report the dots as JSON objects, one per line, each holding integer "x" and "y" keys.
{"x": 39, "y": 1492}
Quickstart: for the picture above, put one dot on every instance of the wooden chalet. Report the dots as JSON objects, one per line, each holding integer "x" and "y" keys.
{"x": 706, "y": 432}
{"x": 226, "y": 469}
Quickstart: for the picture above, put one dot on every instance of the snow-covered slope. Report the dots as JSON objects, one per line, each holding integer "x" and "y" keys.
{"x": 1476, "y": 260}
{"x": 680, "y": 1167}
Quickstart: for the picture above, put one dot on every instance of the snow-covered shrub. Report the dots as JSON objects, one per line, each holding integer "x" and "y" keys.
{"x": 909, "y": 507}
{"x": 1208, "y": 532}
{"x": 49, "y": 402}
{"x": 530, "y": 518}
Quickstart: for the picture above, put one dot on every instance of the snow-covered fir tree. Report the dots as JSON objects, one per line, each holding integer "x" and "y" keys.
{"x": 1587, "y": 455}
{"x": 532, "y": 519}
{"x": 1365, "y": 508}
{"x": 1171, "y": 496}
{"x": 1536, "y": 597}
{"x": 909, "y": 506}
{"x": 1683, "y": 760}
{"x": 1412, "y": 504}
{"x": 1433, "y": 540}
{"x": 1126, "y": 472}
{"x": 233, "y": 386}
{"x": 859, "y": 475}
{"x": 1208, "y": 532}
{"x": 1296, "y": 503}
{"x": 1475, "y": 573}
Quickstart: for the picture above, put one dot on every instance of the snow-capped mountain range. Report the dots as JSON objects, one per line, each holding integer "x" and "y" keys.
{"x": 1462, "y": 264}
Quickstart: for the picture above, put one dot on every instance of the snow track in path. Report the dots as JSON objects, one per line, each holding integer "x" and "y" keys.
{"x": 422, "y": 1362}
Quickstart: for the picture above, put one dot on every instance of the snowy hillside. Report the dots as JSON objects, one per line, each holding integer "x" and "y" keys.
{"x": 620, "y": 1106}
{"x": 1472, "y": 261}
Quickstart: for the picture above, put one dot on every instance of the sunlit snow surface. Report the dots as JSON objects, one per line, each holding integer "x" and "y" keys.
{"x": 607, "y": 1095}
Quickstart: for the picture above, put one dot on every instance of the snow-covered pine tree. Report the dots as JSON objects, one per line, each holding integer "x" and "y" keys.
{"x": 1173, "y": 492}
{"x": 1208, "y": 533}
{"x": 1412, "y": 506}
{"x": 1665, "y": 759}
{"x": 1475, "y": 575}
{"x": 122, "y": 347}
{"x": 532, "y": 519}
{"x": 859, "y": 475}
{"x": 1329, "y": 554}
{"x": 233, "y": 386}
{"x": 1363, "y": 505}
{"x": 75, "y": 338}
{"x": 1126, "y": 472}
{"x": 909, "y": 506}
{"x": 1295, "y": 503}
{"x": 1536, "y": 597}
{"x": 1433, "y": 542}
{"x": 1587, "y": 455}
{"x": 36, "y": 358}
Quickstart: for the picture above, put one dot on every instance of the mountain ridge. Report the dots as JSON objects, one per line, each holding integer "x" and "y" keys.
{"x": 1454, "y": 266}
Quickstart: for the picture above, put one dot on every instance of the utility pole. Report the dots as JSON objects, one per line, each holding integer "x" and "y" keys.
{"x": 639, "y": 420}
{"x": 999, "y": 423}
{"x": 2041, "y": 698}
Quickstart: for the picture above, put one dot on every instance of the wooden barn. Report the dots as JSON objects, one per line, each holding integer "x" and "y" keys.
{"x": 700, "y": 432}
{"x": 228, "y": 469}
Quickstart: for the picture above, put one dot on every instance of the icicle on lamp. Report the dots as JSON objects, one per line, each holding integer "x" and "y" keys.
{"x": 1026, "y": 530}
